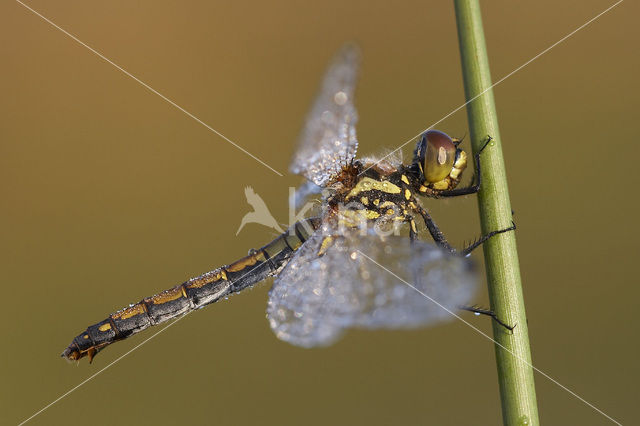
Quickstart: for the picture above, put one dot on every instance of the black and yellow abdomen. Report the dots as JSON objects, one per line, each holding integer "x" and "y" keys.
{"x": 193, "y": 294}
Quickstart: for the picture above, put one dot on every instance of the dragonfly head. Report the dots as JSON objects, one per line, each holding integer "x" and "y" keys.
{"x": 439, "y": 160}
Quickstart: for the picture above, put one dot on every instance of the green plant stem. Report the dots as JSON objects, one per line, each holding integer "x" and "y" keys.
{"x": 513, "y": 355}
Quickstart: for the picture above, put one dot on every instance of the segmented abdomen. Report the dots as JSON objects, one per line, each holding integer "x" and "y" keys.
{"x": 193, "y": 294}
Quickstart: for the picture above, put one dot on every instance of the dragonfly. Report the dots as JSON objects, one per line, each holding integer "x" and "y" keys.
{"x": 349, "y": 266}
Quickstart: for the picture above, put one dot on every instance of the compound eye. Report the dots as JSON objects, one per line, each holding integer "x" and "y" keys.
{"x": 439, "y": 156}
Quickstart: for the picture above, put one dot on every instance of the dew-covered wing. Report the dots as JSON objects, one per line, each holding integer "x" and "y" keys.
{"x": 365, "y": 282}
{"x": 307, "y": 193}
{"x": 328, "y": 140}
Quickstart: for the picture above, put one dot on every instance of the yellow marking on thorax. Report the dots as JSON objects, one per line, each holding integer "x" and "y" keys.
{"x": 105, "y": 327}
{"x": 365, "y": 201}
{"x": 368, "y": 184}
{"x": 387, "y": 204}
{"x": 422, "y": 188}
{"x": 376, "y": 201}
{"x": 405, "y": 179}
{"x": 407, "y": 194}
{"x": 371, "y": 214}
{"x": 354, "y": 217}
{"x": 390, "y": 212}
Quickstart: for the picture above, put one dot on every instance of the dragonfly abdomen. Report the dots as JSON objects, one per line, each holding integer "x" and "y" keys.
{"x": 193, "y": 294}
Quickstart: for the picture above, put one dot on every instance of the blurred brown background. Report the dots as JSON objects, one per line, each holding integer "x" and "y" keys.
{"x": 110, "y": 194}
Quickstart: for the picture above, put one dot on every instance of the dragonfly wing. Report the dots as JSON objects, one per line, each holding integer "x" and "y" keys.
{"x": 298, "y": 301}
{"x": 303, "y": 194}
{"x": 366, "y": 282}
{"x": 328, "y": 140}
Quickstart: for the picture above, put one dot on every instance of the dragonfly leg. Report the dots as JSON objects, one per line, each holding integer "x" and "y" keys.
{"x": 480, "y": 311}
{"x": 435, "y": 232}
{"x": 478, "y": 242}
{"x": 474, "y": 187}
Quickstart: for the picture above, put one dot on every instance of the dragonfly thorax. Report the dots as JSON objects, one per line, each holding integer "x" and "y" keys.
{"x": 369, "y": 191}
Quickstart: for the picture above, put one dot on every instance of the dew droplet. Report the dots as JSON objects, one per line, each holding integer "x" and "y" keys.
{"x": 340, "y": 98}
